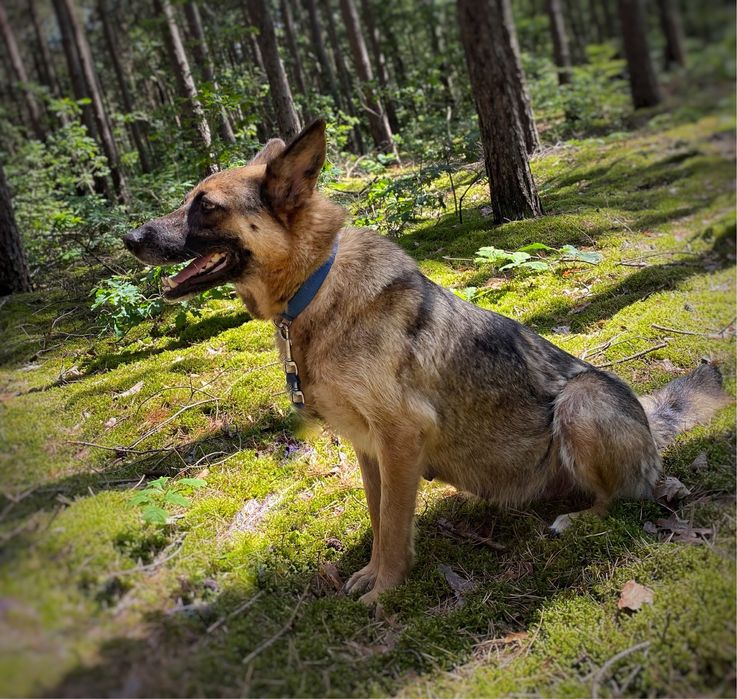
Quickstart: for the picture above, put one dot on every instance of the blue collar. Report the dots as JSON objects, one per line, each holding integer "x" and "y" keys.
{"x": 309, "y": 289}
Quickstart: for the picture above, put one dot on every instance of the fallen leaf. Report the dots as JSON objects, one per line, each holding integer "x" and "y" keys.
{"x": 71, "y": 373}
{"x": 634, "y": 595}
{"x": 459, "y": 585}
{"x": 111, "y": 422}
{"x": 329, "y": 572}
{"x": 683, "y": 532}
{"x": 670, "y": 488}
{"x": 515, "y": 637}
{"x": 700, "y": 462}
{"x": 135, "y": 388}
{"x": 650, "y": 528}
{"x": 562, "y": 329}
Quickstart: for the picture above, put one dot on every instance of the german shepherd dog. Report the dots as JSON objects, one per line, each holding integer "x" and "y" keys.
{"x": 422, "y": 383}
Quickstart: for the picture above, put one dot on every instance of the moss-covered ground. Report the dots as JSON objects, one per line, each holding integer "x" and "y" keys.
{"x": 238, "y": 594}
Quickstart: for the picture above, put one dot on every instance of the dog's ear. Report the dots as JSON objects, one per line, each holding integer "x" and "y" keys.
{"x": 272, "y": 148}
{"x": 292, "y": 175}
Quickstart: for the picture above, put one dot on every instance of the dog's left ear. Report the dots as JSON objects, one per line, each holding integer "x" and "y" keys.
{"x": 292, "y": 175}
{"x": 273, "y": 147}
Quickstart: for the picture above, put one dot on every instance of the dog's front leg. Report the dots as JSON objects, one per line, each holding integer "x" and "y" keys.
{"x": 400, "y": 471}
{"x": 371, "y": 476}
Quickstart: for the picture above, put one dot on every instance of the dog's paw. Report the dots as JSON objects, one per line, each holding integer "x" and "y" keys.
{"x": 361, "y": 580}
{"x": 562, "y": 522}
{"x": 370, "y": 598}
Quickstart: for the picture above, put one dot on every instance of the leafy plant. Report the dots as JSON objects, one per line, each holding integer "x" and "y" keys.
{"x": 163, "y": 493}
{"x": 122, "y": 304}
{"x": 536, "y": 257}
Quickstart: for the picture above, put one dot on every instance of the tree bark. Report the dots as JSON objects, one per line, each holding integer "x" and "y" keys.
{"x": 561, "y": 52}
{"x": 185, "y": 81}
{"x": 135, "y": 126}
{"x": 670, "y": 23}
{"x": 378, "y": 123}
{"x": 318, "y": 46}
{"x": 20, "y": 74}
{"x": 487, "y": 37}
{"x": 204, "y": 60}
{"x": 14, "y": 275}
{"x": 281, "y": 96}
{"x": 379, "y": 63}
{"x": 291, "y": 37}
{"x": 643, "y": 80}
{"x": 89, "y": 75}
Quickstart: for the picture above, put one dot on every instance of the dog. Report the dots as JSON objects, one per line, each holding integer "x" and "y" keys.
{"x": 424, "y": 384}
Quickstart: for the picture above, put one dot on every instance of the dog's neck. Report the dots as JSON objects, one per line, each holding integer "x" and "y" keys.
{"x": 267, "y": 288}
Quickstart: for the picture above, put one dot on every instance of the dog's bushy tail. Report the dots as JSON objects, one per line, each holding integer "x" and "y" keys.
{"x": 684, "y": 403}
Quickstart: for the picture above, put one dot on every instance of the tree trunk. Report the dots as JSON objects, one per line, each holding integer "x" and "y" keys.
{"x": 379, "y": 63}
{"x": 670, "y": 22}
{"x": 511, "y": 47}
{"x": 14, "y": 276}
{"x": 487, "y": 37}
{"x": 610, "y": 21}
{"x": 89, "y": 75}
{"x": 48, "y": 75}
{"x": 291, "y": 37}
{"x": 185, "y": 81}
{"x": 20, "y": 74}
{"x": 135, "y": 126}
{"x": 438, "y": 50}
{"x": 561, "y": 53}
{"x": 643, "y": 80}
{"x": 378, "y": 124}
{"x": 344, "y": 75}
{"x": 281, "y": 95}
{"x": 204, "y": 60}
{"x": 318, "y": 46}
{"x": 579, "y": 31}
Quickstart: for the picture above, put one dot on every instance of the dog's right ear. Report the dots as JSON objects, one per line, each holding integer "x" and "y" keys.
{"x": 291, "y": 176}
{"x": 273, "y": 147}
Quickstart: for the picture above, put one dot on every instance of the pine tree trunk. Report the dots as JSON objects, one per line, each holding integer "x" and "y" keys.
{"x": 21, "y": 76}
{"x": 378, "y": 123}
{"x": 281, "y": 95}
{"x": 561, "y": 52}
{"x": 579, "y": 31}
{"x": 379, "y": 63}
{"x": 48, "y": 75}
{"x": 487, "y": 37}
{"x": 643, "y": 80}
{"x": 136, "y": 127}
{"x": 89, "y": 75}
{"x": 14, "y": 276}
{"x": 291, "y": 37}
{"x": 346, "y": 85}
{"x": 185, "y": 81}
{"x": 203, "y": 59}
{"x": 670, "y": 23}
{"x": 438, "y": 50}
{"x": 318, "y": 46}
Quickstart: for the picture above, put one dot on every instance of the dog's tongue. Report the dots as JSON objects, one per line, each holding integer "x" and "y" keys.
{"x": 194, "y": 267}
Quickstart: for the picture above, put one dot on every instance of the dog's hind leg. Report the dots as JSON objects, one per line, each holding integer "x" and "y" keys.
{"x": 605, "y": 442}
{"x": 364, "y": 579}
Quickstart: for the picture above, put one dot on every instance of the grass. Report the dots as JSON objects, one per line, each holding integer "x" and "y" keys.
{"x": 95, "y": 601}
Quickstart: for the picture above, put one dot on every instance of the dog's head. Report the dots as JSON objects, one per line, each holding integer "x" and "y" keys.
{"x": 261, "y": 226}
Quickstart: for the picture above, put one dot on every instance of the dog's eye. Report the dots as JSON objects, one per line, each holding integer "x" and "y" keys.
{"x": 207, "y": 205}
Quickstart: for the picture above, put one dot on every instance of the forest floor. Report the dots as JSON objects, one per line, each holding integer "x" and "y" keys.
{"x": 238, "y": 594}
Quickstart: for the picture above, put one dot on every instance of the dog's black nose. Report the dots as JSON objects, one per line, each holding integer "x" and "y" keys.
{"x": 134, "y": 239}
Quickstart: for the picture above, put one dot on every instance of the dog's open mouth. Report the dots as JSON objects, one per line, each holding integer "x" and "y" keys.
{"x": 202, "y": 273}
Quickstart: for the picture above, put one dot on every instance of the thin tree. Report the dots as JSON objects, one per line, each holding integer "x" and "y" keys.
{"x": 378, "y": 123}
{"x": 135, "y": 126}
{"x": 48, "y": 74}
{"x": 561, "y": 52}
{"x": 318, "y": 46}
{"x": 92, "y": 88}
{"x": 202, "y": 57}
{"x": 21, "y": 76}
{"x": 291, "y": 36}
{"x": 185, "y": 82}
{"x": 487, "y": 34}
{"x": 14, "y": 276}
{"x": 674, "y": 52}
{"x": 643, "y": 80}
{"x": 281, "y": 94}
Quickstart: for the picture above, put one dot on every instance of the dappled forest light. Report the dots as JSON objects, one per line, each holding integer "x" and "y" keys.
{"x": 177, "y": 176}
